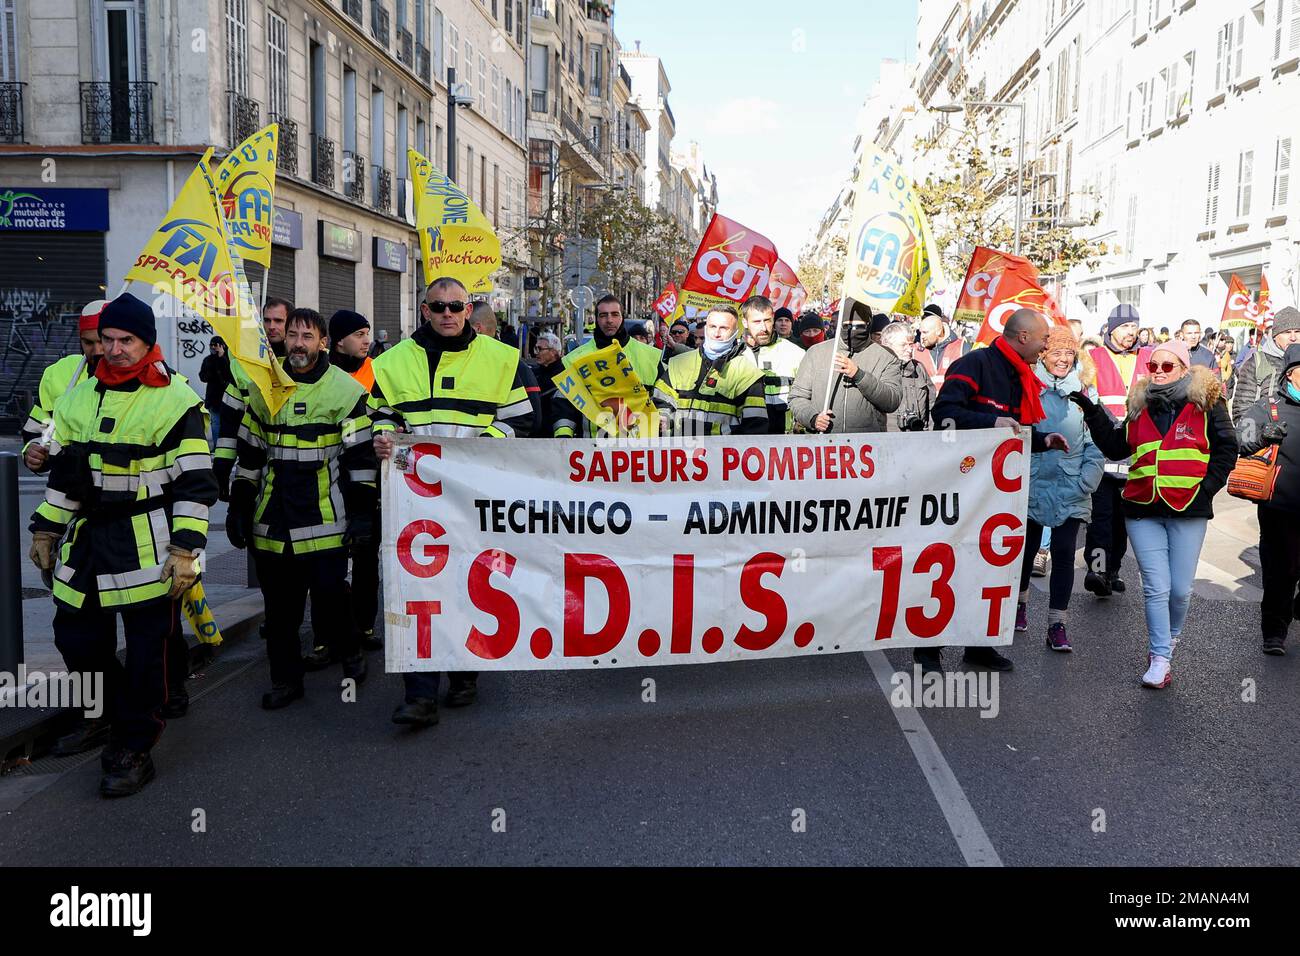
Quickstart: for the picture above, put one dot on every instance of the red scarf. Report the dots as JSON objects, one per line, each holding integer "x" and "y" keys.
{"x": 1031, "y": 409}
{"x": 149, "y": 370}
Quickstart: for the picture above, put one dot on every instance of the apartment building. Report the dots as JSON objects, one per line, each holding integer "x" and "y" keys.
{"x": 650, "y": 89}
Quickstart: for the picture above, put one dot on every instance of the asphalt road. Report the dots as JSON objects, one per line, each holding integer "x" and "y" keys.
{"x": 1081, "y": 766}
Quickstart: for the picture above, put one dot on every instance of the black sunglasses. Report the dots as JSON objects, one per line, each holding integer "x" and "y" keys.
{"x": 437, "y": 308}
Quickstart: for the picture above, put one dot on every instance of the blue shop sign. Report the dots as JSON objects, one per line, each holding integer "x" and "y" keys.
{"x": 286, "y": 228}
{"x": 390, "y": 255}
{"x": 53, "y": 210}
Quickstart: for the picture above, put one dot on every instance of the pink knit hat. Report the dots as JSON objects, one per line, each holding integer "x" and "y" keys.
{"x": 1176, "y": 348}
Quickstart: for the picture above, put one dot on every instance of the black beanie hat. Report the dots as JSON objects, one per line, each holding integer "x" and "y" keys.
{"x": 344, "y": 322}
{"x": 128, "y": 314}
{"x": 1290, "y": 359}
{"x": 933, "y": 309}
{"x": 783, "y": 313}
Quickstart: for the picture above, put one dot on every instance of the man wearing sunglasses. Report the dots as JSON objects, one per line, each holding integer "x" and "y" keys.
{"x": 647, "y": 362}
{"x": 449, "y": 381}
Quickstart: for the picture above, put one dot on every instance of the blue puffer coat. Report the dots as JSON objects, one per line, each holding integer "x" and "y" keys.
{"x": 1061, "y": 483}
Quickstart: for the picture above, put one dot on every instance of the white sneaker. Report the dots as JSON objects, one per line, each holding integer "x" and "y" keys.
{"x": 1159, "y": 674}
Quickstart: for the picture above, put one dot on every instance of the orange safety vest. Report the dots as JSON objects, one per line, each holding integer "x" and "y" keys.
{"x": 951, "y": 353}
{"x": 1170, "y": 465}
{"x": 366, "y": 374}
{"x": 1112, "y": 390}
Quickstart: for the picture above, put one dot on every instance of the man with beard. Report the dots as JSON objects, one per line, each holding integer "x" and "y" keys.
{"x": 57, "y": 381}
{"x": 304, "y": 490}
{"x": 777, "y": 358}
{"x": 715, "y": 389}
{"x": 939, "y": 346}
{"x": 1106, "y": 541}
{"x": 868, "y": 387}
{"x": 275, "y": 315}
{"x": 646, "y": 362}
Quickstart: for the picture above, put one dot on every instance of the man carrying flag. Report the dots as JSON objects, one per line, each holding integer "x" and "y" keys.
{"x": 995, "y": 387}
{"x": 56, "y": 381}
{"x": 129, "y": 491}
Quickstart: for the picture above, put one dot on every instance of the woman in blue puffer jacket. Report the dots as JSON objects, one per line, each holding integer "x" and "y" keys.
{"x": 1060, "y": 483}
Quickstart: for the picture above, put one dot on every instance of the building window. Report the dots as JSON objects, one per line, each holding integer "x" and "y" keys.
{"x": 1282, "y": 172}
{"x": 496, "y": 95}
{"x": 482, "y": 84}
{"x": 440, "y": 155}
{"x": 237, "y": 46}
{"x": 453, "y": 48}
{"x": 1230, "y": 51}
{"x": 1286, "y": 29}
{"x": 1212, "y": 195}
{"x": 8, "y": 42}
{"x": 277, "y": 65}
{"x": 439, "y": 54}
{"x": 1245, "y": 181}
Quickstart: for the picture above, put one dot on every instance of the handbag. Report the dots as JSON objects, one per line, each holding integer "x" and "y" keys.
{"x": 1255, "y": 476}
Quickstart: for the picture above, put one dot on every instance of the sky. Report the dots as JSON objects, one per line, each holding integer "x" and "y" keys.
{"x": 771, "y": 91}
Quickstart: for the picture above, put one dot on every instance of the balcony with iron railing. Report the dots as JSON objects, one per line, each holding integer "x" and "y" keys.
{"x": 382, "y": 187}
{"x": 11, "y": 112}
{"x": 353, "y": 9}
{"x": 322, "y": 161}
{"x": 354, "y": 176}
{"x": 576, "y": 130}
{"x": 599, "y": 11}
{"x": 242, "y": 117}
{"x": 379, "y": 23}
{"x": 117, "y": 112}
{"x": 406, "y": 48}
{"x": 624, "y": 76}
{"x": 669, "y": 110}
{"x": 422, "y": 64}
{"x": 542, "y": 8}
{"x": 286, "y": 154}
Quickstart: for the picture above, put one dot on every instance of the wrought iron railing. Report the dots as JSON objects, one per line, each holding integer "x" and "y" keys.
{"x": 286, "y": 156}
{"x": 406, "y": 48}
{"x": 379, "y": 22}
{"x": 574, "y": 129}
{"x": 353, "y": 9}
{"x": 354, "y": 176}
{"x": 242, "y": 117}
{"x": 117, "y": 112}
{"x": 383, "y": 188}
{"x": 422, "y": 65}
{"x": 11, "y": 112}
{"x": 322, "y": 161}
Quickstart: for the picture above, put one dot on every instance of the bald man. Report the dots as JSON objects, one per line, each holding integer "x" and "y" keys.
{"x": 484, "y": 320}
{"x": 939, "y": 346}
{"x": 995, "y": 388}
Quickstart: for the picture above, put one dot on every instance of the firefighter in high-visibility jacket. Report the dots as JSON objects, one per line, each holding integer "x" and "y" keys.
{"x": 447, "y": 380}
{"x": 777, "y": 358}
{"x": 350, "y": 351}
{"x": 275, "y": 315}
{"x": 56, "y": 381}
{"x": 129, "y": 490}
{"x": 303, "y": 491}
{"x": 647, "y": 362}
{"x": 715, "y": 389}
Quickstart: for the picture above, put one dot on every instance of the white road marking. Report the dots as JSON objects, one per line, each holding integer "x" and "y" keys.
{"x": 966, "y": 828}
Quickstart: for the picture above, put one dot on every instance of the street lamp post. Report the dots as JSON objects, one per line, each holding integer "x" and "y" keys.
{"x": 1020, "y": 153}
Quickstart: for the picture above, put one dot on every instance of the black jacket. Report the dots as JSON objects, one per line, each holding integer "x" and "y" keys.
{"x": 1207, "y": 392}
{"x": 980, "y": 387}
{"x": 1286, "y": 493}
{"x": 1253, "y": 380}
{"x": 215, "y": 371}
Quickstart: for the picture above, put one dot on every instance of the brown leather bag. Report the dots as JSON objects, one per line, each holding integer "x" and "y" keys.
{"x": 1255, "y": 475}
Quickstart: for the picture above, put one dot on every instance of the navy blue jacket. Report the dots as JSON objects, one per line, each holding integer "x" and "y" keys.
{"x": 980, "y": 387}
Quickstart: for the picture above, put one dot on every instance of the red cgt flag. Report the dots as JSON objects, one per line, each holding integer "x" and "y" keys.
{"x": 1239, "y": 309}
{"x": 998, "y": 284}
{"x": 666, "y": 304}
{"x": 784, "y": 288}
{"x": 732, "y": 262}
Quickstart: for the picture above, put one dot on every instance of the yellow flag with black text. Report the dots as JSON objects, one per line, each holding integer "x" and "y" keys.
{"x": 456, "y": 239}
{"x": 605, "y": 389}
{"x": 191, "y": 258}
{"x": 246, "y": 190}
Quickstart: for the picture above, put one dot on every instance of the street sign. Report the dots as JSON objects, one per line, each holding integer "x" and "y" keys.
{"x": 581, "y": 260}
{"x": 582, "y": 299}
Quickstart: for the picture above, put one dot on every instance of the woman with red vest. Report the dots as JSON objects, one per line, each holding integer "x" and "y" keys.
{"x": 1181, "y": 446}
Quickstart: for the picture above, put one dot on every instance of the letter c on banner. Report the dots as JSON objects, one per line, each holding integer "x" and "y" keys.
{"x": 1012, "y": 545}
{"x": 434, "y": 557}
{"x": 999, "y": 314}
{"x": 708, "y": 259}
{"x": 425, "y": 489}
{"x": 1001, "y": 480}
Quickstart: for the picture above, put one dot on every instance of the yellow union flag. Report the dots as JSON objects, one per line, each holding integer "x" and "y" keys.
{"x": 889, "y": 256}
{"x": 246, "y": 189}
{"x": 456, "y": 239}
{"x": 190, "y": 257}
{"x": 603, "y": 386}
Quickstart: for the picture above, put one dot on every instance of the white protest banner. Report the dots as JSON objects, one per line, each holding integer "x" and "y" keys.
{"x": 521, "y": 555}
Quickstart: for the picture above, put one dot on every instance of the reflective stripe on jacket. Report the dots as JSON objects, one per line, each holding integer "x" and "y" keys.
{"x": 1170, "y": 465}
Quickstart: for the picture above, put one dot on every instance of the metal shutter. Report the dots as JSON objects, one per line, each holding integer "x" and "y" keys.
{"x": 280, "y": 284}
{"x": 388, "y": 305}
{"x": 338, "y": 286}
{"x": 45, "y": 280}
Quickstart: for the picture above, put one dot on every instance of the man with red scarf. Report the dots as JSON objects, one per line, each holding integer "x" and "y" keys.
{"x": 995, "y": 388}
{"x": 130, "y": 486}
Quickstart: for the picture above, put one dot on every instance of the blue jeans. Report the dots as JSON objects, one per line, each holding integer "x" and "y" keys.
{"x": 1167, "y": 550}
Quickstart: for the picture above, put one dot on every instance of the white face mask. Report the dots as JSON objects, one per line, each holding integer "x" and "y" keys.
{"x": 716, "y": 348}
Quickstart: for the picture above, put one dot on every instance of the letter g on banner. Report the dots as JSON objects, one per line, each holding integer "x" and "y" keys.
{"x": 433, "y": 558}
{"x": 418, "y": 484}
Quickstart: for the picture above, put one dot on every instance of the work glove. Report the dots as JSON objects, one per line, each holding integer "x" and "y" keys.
{"x": 239, "y": 514}
{"x": 360, "y": 531}
{"x": 1086, "y": 404}
{"x": 44, "y": 547}
{"x": 182, "y": 567}
{"x": 1274, "y": 433}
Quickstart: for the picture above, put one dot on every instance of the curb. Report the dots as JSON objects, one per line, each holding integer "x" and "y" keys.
{"x": 35, "y": 730}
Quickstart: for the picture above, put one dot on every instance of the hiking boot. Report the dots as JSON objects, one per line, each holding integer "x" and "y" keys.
{"x": 319, "y": 659}
{"x": 129, "y": 774}
{"x": 1273, "y": 644}
{"x": 1057, "y": 639}
{"x": 421, "y": 712}
{"x": 1098, "y": 584}
{"x": 988, "y": 658}
{"x": 1022, "y": 616}
{"x": 281, "y": 695}
{"x": 1042, "y": 561}
{"x": 87, "y": 736}
{"x": 1116, "y": 582}
{"x": 461, "y": 693}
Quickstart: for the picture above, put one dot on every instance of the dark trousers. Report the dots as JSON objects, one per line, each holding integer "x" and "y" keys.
{"x": 424, "y": 684}
{"x": 87, "y": 639}
{"x": 1279, "y": 561}
{"x": 286, "y": 582}
{"x": 365, "y": 585}
{"x": 1065, "y": 541}
{"x": 1106, "y": 543}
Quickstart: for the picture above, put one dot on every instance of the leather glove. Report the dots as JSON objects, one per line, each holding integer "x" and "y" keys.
{"x": 1086, "y": 404}
{"x": 44, "y": 547}
{"x": 239, "y": 514}
{"x": 361, "y": 530}
{"x": 180, "y": 566}
{"x": 1274, "y": 433}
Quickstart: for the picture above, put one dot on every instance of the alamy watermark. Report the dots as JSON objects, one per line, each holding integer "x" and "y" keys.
{"x": 975, "y": 689}
{"x": 76, "y": 691}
